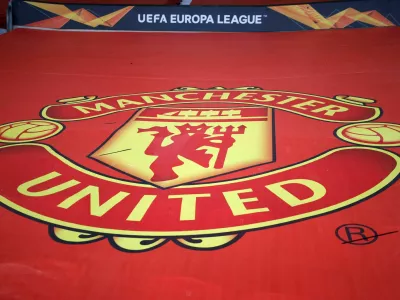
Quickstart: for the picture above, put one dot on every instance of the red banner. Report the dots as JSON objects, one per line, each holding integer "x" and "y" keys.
{"x": 64, "y": 194}
{"x": 315, "y": 107}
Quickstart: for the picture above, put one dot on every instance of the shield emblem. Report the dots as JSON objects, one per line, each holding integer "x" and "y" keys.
{"x": 170, "y": 146}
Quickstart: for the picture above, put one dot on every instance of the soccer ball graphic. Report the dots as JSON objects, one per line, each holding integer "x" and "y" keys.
{"x": 371, "y": 134}
{"x": 28, "y": 131}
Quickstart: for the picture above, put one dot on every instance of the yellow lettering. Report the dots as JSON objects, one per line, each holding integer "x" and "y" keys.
{"x": 188, "y": 206}
{"x": 97, "y": 107}
{"x": 245, "y": 96}
{"x": 95, "y": 208}
{"x": 141, "y": 208}
{"x": 24, "y": 188}
{"x": 307, "y": 103}
{"x": 237, "y": 204}
{"x": 330, "y": 110}
{"x": 267, "y": 97}
{"x": 290, "y": 99}
{"x": 223, "y": 96}
{"x": 163, "y": 97}
{"x": 124, "y": 102}
{"x": 277, "y": 188}
{"x": 183, "y": 96}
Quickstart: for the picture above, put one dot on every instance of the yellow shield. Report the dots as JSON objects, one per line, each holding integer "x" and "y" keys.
{"x": 170, "y": 146}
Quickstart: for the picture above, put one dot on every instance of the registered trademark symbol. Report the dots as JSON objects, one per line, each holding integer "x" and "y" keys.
{"x": 358, "y": 234}
{"x": 265, "y": 16}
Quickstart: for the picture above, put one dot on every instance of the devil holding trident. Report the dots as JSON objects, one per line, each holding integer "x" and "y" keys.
{"x": 190, "y": 144}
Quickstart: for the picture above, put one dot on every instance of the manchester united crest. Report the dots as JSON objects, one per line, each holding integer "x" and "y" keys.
{"x": 172, "y": 146}
{"x": 198, "y": 167}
